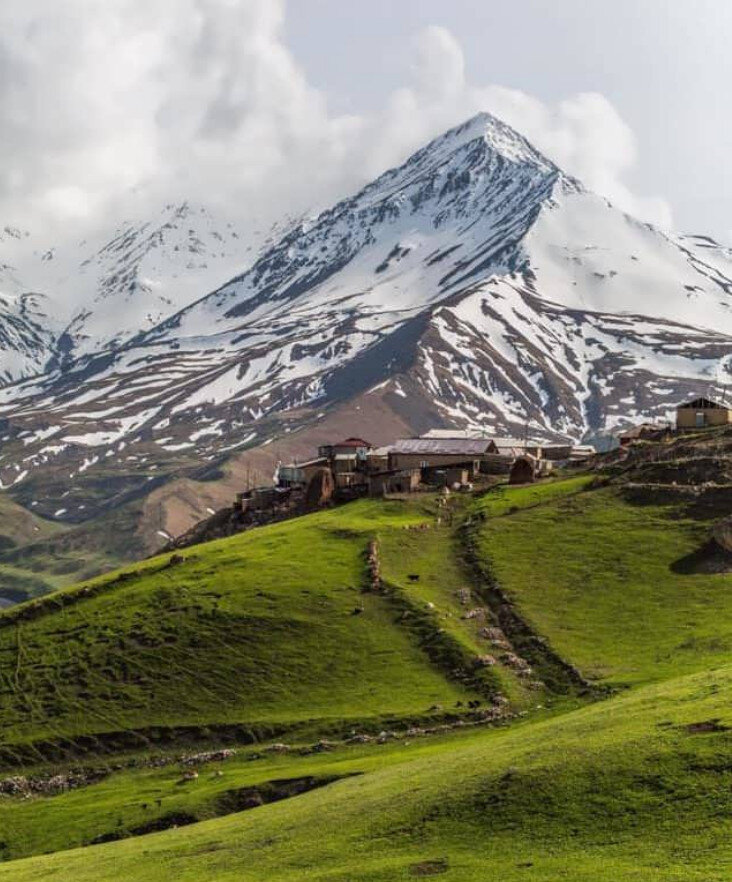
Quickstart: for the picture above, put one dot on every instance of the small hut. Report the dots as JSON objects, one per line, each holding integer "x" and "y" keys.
{"x": 523, "y": 471}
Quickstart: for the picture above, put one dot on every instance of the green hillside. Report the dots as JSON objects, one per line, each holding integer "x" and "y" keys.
{"x": 263, "y": 631}
{"x": 567, "y": 645}
{"x": 19, "y": 528}
{"x": 637, "y": 788}
{"x": 55, "y": 555}
{"x": 606, "y": 580}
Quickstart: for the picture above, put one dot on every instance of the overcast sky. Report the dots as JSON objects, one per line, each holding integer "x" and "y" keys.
{"x": 262, "y": 107}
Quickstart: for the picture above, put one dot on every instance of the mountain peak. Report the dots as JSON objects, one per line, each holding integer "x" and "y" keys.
{"x": 496, "y": 135}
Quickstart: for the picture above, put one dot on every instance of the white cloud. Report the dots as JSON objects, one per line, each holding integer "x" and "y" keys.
{"x": 202, "y": 99}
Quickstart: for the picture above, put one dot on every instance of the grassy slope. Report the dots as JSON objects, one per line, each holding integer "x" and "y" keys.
{"x": 68, "y": 554}
{"x": 617, "y": 791}
{"x": 259, "y": 627}
{"x": 621, "y": 790}
{"x": 18, "y": 527}
{"x": 594, "y": 574}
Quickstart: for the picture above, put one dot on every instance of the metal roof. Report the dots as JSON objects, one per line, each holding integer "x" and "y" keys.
{"x": 463, "y": 434}
{"x": 515, "y": 442}
{"x": 442, "y": 447}
{"x": 703, "y": 404}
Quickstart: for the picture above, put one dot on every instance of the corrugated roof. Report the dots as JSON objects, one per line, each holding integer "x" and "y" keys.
{"x": 514, "y": 442}
{"x": 463, "y": 434}
{"x": 442, "y": 447}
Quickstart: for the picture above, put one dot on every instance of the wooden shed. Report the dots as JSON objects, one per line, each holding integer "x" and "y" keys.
{"x": 702, "y": 413}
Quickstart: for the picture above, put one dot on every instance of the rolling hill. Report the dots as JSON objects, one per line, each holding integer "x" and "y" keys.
{"x": 536, "y": 686}
{"x": 629, "y": 790}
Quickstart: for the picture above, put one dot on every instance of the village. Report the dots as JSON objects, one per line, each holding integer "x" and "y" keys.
{"x": 451, "y": 460}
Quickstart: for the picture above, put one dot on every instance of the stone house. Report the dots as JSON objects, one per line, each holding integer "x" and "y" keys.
{"x": 422, "y": 453}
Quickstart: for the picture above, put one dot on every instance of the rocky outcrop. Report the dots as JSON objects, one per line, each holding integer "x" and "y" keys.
{"x": 722, "y": 533}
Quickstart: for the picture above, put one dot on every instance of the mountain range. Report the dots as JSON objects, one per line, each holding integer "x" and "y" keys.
{"x": 476, "y": 285}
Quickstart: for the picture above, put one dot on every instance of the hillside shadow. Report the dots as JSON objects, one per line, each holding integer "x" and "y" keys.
{"x": 709, "y": 558}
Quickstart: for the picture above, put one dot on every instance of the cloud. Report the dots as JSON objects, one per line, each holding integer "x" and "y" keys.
{"x": 203, "y": 100}
{"x": 584, "y": 134}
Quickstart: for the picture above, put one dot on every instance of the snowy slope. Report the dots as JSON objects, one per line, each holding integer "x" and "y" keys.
{"x": 27, "y": 338}
{"x": 145, "y": 272}
{"x": 476, "y": 284}
{"x": 100, "y": 293}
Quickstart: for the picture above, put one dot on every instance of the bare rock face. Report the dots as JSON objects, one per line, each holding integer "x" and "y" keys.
{"x": 722, "y": 533}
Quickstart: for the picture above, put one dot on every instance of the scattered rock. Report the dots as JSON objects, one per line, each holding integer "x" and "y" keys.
{"x": 360, "y": 738}
{"x": 484, "y": 661}
{"x": 518, "y": 664}
{"x": 480, "y": 614}
{"x": 495, "y": 636}
{"x": 278, "y": 747}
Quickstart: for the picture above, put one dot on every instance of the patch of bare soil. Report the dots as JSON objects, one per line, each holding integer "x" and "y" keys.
{"x": 429, "y": 868}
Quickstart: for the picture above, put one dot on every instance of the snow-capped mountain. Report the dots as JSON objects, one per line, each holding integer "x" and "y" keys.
{"x": 101, "y": 292}
{"x": 476, "y": 284}
{"x": 27, "y": 338}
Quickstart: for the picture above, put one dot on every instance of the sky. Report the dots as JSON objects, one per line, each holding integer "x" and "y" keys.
{"x": 266, "y": 108}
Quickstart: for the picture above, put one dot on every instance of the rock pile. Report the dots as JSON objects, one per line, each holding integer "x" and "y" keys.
{"x": 374, "y": 566}
{"x": 212, "y": 756}
{"x": 480, "y": 613}
{"x": 484, "y": 661}
{"x": 20, "y": 785}
{"x": 518, "y": 664}
{"x": 722, "y": 534}
{"x": 496, "y": 637}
